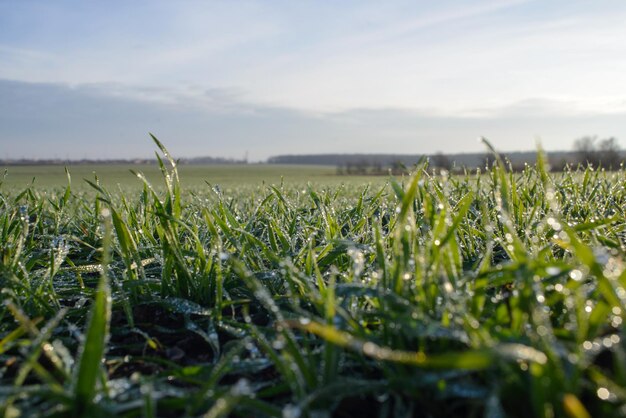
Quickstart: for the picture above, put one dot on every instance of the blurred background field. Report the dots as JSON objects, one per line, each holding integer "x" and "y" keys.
{"x": 192, "y": 176}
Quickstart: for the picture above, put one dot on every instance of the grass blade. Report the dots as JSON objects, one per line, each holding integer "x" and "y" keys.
{"x": 92, "y": 351}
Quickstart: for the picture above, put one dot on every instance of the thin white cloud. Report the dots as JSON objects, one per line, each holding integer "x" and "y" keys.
{"x": 397, "y": 26}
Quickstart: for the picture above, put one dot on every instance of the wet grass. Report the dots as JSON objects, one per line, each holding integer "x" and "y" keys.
{"x": 233, "y": 176}
{"x": 483, "y": 295}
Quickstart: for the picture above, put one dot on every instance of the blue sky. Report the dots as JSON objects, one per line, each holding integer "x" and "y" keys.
{"x": 90, "y": 79}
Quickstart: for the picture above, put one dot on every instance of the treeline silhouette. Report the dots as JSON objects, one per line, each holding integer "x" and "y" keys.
{"x": 383, "y": 164}
{"x": 588, "y": 150}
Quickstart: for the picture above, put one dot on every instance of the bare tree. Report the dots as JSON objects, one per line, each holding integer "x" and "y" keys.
{"x": 585, "y": 148}
{"x": 489, "y": 160}
{"x": 398, "y": 167}
{"x": 605, "y": 152}
{"x": 610, "y": 153}
{"x": 442, "y": 161}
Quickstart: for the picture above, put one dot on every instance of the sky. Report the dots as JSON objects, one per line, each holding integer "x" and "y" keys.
{"x": 90, "y": 79}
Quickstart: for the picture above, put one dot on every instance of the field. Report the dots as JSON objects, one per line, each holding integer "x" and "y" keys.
{"x": 191, "y": 176}
{"x": 490, "y": 294}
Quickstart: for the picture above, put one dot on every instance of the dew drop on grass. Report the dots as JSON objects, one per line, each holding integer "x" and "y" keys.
{"x": 253, "y": 350}
{"x": 553, "y": 271}
{"x": 23, "y": 212}
{"x": 278, "y": 343}
{"x": 382, "y": 397}
{"x": 603, "y": 393}
{"x": 370, "y": 349}
{"x": 602, "y": 256}
{"x": 242, "y": 388}
{"x": 607, "y": 342}
{"x": 291, "y": 411}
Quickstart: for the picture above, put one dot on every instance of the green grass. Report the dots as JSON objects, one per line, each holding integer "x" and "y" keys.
{"x": 192, "y": 176}
{"x": 485, "y": 295}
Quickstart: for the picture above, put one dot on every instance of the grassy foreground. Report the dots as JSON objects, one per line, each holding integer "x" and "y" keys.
{"x": 489, "y": 295}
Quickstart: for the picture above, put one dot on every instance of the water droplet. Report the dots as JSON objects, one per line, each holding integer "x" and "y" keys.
{"x": 602, "y": 256}
{"x": 242, "y": 388}
{"x": 553, "y": 271}
{"x": 278, "y": 344}
{"x": 382, "y": 397}
{"x": 23, "y": 212}
{"x": 291, "y": 411}
{"x": 370, "y": 349}
{"x": 603, "y": 393}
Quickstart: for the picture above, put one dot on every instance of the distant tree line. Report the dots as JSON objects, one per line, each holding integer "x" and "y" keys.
{"x": 213, "y": 160}
{"x": 598, "y": 152}
{"x": 590, "y": 150}
{"x": 587, "y": 150}
{"x": 373, "y": 167}
{"x": 370, "y": 160}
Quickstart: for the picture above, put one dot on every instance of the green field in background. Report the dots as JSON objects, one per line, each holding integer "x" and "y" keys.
{"x": 192, "y": 176}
